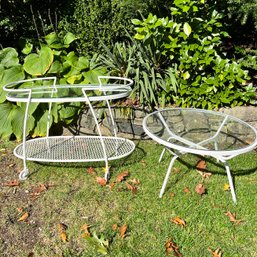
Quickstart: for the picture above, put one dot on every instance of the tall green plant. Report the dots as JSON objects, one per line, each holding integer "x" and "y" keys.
{"x": 154, "y": 84}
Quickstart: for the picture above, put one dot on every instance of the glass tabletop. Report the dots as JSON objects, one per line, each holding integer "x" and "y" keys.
{"x": 199, "y": 131}
{"x": 69, "y": 93}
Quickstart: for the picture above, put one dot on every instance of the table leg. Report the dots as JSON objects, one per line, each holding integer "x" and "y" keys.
{"x": 167, "y": 175}
{"x": 230, "y": 180}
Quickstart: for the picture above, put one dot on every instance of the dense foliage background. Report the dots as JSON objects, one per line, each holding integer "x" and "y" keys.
{"x": 191, "y": 53}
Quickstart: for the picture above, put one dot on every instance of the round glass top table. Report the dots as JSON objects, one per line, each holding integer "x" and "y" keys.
{"x": 86, "y": 148}
{"x": 201, "y": 132}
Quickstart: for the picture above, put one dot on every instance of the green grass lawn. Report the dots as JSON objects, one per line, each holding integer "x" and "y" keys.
{"x": 73, "y": 198}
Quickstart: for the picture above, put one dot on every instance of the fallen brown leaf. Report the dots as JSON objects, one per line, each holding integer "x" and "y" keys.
{"x": 201, "y": 165}
{"x": 135, "y": 181}
{"x": 200, "y": 189}
{"x": 101, "y": 181}
{"x": 172, "y": 194}
{"x": 123, "y": 230}
{"x": 232, "y": 217}
{"x": 85, "y": 229}
{"x": 186, "y": 190}
{"x": 176, "y": 170}
{"x": 171, "y": 247}
{"x": 178, "y": 221}
{"x": 12, "y": 183}
{"x": 133, "y": 189}
{"x": 114, "y": 227}
{"x": 216, "y": 253}
{"x": 204, "y": 174}
{"x": 62, "y": 230}
{"x": 91, "y": 170}
{"x": 63, "y": 236}
{"x": 122, "y": 176}
{"x": 24, "y": 216}
{"x": 38, "y": 190}
{"x": 111, "y": 186}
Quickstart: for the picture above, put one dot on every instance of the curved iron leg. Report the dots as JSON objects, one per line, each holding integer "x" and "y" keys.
{"x": 230, "y": 181}
{"x": 167, "y": 175}
{"x": 24, "y": 173}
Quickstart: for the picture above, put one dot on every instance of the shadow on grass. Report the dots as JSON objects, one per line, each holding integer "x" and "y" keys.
{"x": 245, "y": 166}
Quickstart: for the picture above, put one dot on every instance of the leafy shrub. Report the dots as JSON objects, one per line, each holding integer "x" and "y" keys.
{"x": 191, "y": 41}
{"x": 50, "y": 59}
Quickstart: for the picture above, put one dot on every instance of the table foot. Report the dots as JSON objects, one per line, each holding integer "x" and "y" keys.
{"x": 24, "y": 174}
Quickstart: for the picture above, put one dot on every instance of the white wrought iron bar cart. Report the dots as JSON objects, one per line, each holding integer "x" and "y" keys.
{"x": 73, "y": 148}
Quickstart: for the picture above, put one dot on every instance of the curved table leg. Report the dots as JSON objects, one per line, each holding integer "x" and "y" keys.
{"x": 230, "y": 181}
{"x": 167, "y": 175}
{"x": 162, "y": 153}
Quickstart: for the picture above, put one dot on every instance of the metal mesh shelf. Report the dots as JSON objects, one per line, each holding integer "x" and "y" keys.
{"x": 75, "y": 149}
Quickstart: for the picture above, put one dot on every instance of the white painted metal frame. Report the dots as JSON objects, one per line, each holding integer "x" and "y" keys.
{"x": 197, "y": 148}
{"x": 123, "y": 147}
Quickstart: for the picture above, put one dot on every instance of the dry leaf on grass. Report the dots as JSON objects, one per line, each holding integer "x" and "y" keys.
{"x": 135, "y": 181}
{"x": 85, "y": 229}
{"x": 204, "y": 174}
{"x": 38, "y": 190}
{"x": 232, "y": 218}
{"x": 186, "y": 190}
{"x": 62, "y": 230}
{"x": 176, "y": 170}
{"x": 172, "y": 248}
{"x": 12, "y": 183}
{"x": 123, "y": 230}
{"x": 111, "y": 185}
{"x": 171, "y": 194}
{"x": 216, "y": 253}
{"x": 122, "y": 176}
{"x": 101, "y": 181}
{"x": 178, "y": 221}
{"x": 201, "y": 165}
{"x": 133, "y": 189}
{"x": 200, "y": 189}
{"x": 90, "y": 170}
{"x": 24, "y": 216}
{"x": 114, "y": 227}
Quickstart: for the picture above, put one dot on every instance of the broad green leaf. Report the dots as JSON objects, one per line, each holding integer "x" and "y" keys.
{"x": 6, "y": 116}
{"x": 56, "y": 67}
{"x": 38, "y": 64}
{"x": 186, "y": 75}
{"x": 82, "y": 63}
{"x": 41, "y": 125}
{"x": 187, "y": 29}
{"x": 67, "y": 112}
{"x": 27, "y": 48}
{"x": 136, "y": 21}
{"x": 18, "y": 121}
{"x": 91, "y": 76}
{"x": 12, "y": 74}
{"x": 139, "y": 36}
{"x": 72, "y": 79}
{"x": 9, "y": 57}
{"x": 69, "y": 38}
